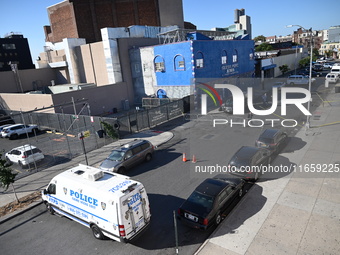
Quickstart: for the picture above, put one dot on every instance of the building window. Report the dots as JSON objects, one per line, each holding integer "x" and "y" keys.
{"x": 8, "y": 46}
{"x": 224, "y": 58}
{"x": 235, "y": 56}
{"x": 199, "y": 60}
{"x": 179, "y": 63}
{"x": 159, "y": 64}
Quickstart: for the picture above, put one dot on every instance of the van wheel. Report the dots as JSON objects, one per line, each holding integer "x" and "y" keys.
{"x": 97, "y": 233}
{"x": 218, "y": 219}
{"x": 49, "y": 208}
{"x": 240, "y": 193}
{"x": 121, "y": 170}
{"x": 148, "y": 157}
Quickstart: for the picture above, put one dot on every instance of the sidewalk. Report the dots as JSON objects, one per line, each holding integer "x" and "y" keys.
{"x": 295, "y": 214}
{"x": 39, "y": 180}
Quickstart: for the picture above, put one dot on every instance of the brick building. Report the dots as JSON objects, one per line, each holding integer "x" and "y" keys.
{"x": 85, "y": 18}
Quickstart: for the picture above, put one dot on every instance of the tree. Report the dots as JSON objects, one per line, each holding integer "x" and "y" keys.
{"x": 260, "y": 38}
{"x": 110, "y": 130}
{"x": 6, "y": 176}
{"x": 264, "y": 47}
{"x": 284, "y": 69}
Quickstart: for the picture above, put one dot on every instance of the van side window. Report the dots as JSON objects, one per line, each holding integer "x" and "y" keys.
{"x": 128, "y": 154}
{"x": 136, "y": 150}
{"x": 145, "y": 146}
{"x": 52, "y": 189}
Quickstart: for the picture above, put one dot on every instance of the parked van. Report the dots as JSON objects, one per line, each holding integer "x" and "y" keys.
{"x": 128, "y": 155}
{"x": 332, "y": 77}
{"x": 335, "y": 69}
{"x": 111, "y": 204}
{"x": 298, "y": 79}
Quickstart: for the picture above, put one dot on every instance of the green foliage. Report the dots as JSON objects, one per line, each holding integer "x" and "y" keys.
{"x": 284, "y": 69}
{"x": 260, "y": 38}
{"x": 264, "y": 47}
{"x": 110, "y": 130}
{"x": 6, "y": 175}
{"x": 329, "y": 53}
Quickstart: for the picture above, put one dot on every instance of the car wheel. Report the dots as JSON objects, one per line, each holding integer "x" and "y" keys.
{"x": 7, "y": 159}
{"x": 20, "y": 164}
{"x": 240, "y": 193}
{"x": 14, "y": 136}
{"x": 49, "y": 208}
{"x": 148, "y": 157}
{"x": 121, "y": 170}
{"x": 96, "y": 232}
{"x": 218, "y": 219}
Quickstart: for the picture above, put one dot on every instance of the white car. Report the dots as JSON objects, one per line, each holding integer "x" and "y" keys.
{"x": 299, "y": 79}
{"x": 14, "y": 131}
{"x": 24, "y": 155}
{"x": 4, "y": 126}
{"x": 332, "y": 77}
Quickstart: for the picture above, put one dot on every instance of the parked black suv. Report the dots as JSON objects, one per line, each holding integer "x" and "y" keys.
{"x": 272, "y": 139}
{"x": 206, "y": 205}
{"x": 248, "y": 161}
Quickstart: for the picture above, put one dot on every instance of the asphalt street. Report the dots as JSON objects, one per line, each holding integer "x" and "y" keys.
{"x": 168, "y": 181}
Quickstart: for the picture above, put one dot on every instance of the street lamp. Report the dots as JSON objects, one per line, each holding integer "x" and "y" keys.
{"x": 310, "y": 68}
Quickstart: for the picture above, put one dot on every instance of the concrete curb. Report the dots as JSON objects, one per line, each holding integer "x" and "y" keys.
{"x": 14, "y": 214}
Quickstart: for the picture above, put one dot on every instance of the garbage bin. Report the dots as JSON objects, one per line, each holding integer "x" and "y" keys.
{"x": 100, "y": 133}
{"x": 337, "y": 88}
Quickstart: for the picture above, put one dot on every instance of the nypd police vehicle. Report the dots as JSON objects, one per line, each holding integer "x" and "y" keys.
{"x": 111, "y": 204}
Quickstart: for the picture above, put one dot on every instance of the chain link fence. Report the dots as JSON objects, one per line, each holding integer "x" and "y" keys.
{"x": 66, "y": 129}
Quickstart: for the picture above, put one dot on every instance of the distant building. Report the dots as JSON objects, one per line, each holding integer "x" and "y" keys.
{"x": 334, "y": 34}
{"x": 241, "y": 27}
{"x": 302, "y": 37}
{"x": 15, "y": 53}
{"x": 85, "y": 18}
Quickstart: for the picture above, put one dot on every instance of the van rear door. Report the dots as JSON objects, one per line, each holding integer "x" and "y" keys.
{"x": 135, "y": 211}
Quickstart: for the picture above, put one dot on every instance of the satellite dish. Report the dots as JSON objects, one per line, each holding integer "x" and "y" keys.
{"x": 161, "y": 93}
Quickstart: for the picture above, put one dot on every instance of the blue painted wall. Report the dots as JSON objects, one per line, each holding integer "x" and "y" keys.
{"x": 212, "y": 55}
{"x": 172, "y": 53}
{"x": 212, "y": 52}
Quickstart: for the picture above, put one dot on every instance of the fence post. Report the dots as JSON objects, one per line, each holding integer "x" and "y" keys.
{"x": 147, "y": 117}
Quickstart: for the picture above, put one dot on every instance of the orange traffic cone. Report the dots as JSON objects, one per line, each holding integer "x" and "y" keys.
{"x": 184, "y": 157}
{"x": 194, "y": 160}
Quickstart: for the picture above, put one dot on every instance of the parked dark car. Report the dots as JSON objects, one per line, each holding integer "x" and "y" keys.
{"x": 317, "y": 67}
{"x": 247, "y": 162}
{"x": 206, "y": 205}
{"x": 272, "y": 139}
{"x": 314, "y": 73}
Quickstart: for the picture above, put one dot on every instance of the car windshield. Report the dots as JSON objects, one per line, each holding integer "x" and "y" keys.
{"x": 266, "y": 140}
{"x": 116, "y": 155}
{"x": 201, "y": 200}
{"x": 238, "y": 162}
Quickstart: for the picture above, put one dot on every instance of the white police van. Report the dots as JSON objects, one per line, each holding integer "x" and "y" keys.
{"x": 111, "y": 204}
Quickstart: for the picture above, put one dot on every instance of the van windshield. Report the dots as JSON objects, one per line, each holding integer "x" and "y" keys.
{"x": 116, "y": 155}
